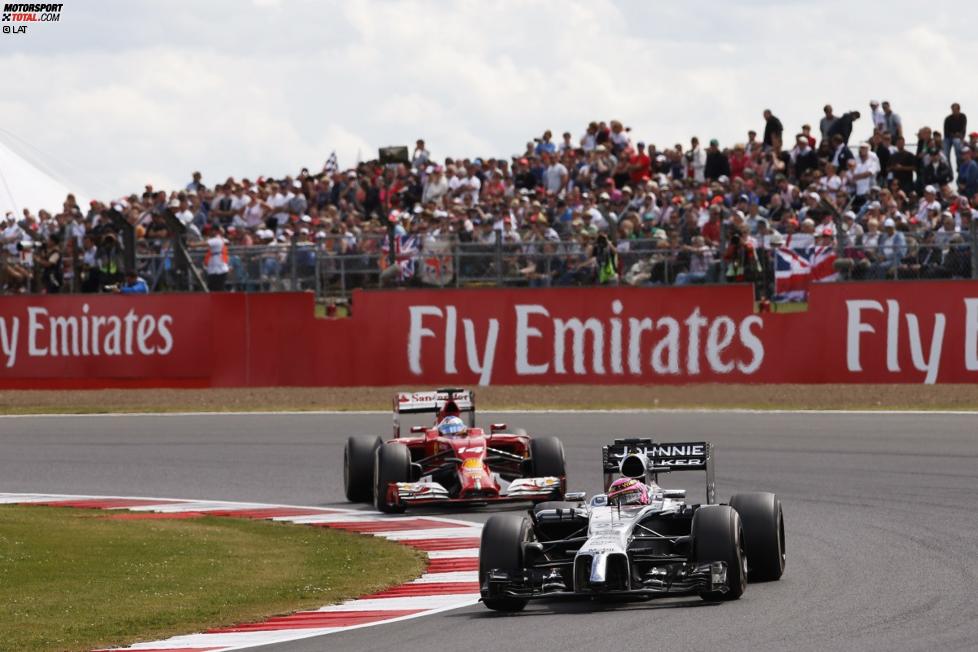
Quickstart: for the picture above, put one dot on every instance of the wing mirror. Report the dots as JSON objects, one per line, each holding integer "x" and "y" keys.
{"x": 673, "y": 493}
{"x": 497, "y": 427}
{"x": 578, "y": 496}
{"x": 418, "y": 428}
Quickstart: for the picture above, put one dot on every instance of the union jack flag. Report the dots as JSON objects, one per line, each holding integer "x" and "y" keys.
{"x": 795, "y": 270}
{"x": 406, "y": 250}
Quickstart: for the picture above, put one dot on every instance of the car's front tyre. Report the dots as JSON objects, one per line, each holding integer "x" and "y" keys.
{"x": 358, "y": 467}
{"x": 718, "y": 535}
{"x": 501, "y": 548}
{"x": 392, "y": 463}
{"x": 547, "y": 459}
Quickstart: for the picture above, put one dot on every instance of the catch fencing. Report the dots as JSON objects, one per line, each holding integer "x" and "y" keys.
{"x": 332, "y": 269}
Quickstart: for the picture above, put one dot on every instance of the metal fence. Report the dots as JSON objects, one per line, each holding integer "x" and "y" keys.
{"x": 332, "y": 272}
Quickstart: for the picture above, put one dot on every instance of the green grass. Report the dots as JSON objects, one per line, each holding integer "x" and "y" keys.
{"x": 73, "y": 579}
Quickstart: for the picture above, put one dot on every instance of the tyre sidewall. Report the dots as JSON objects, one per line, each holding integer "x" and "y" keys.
{"x": 763, "y": 521}
{"x": 392, "y": 464}
{"x": 717, "y": 535}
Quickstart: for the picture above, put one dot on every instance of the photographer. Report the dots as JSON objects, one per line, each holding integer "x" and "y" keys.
{"x": 49, "y": 261}
{"x": 605, "y": 261}
{"x": 12, "y": 274}
{"x": 740, "y": 257}
{"x": 134, "y": 284}
{"x": 109, "y": 260}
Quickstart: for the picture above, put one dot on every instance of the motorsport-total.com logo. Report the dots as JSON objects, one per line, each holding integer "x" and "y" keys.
{"x": 23, "y": 13}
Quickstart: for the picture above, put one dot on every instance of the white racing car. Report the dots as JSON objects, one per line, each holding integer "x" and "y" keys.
{"x": 637, "y": 539}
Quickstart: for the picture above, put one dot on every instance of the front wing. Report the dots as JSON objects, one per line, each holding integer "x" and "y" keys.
{"x": 675, "y": 579}
{"x": 519, "y": 490}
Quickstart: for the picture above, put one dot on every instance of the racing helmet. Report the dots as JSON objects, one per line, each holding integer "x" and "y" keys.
{"x": 628, "y": 491}
{"x": 452, "y": 427}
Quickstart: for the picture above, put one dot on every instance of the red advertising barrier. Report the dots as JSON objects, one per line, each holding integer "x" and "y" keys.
{"x": 907, "y": 332}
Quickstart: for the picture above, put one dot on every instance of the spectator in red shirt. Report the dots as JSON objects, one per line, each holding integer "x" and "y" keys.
{"x": 711, "y": 230}
{"x": 640, "y": 165}
{"x": 738, "y": 161}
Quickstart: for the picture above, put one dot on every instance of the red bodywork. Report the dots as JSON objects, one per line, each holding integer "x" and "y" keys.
{"x": 472, "y": 459}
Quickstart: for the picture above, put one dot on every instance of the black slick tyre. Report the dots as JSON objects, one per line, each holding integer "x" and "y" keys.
{"x": 761, "y": 515}
{"x": 358, "y": 467}
{"x": 501, "y": 548}
{"x": 392, "y": 463}
{"x": 717, "y": 535}
{"x": 547, "y": 459}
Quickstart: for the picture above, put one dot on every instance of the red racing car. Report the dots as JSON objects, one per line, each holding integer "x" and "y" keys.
{"x": 451, "y": 461}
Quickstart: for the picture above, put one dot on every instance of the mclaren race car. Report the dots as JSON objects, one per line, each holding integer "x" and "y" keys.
{"x": 451, "y": 461}
{"x": 637, "y": 539}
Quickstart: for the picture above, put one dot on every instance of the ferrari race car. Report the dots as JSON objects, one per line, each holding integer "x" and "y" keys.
{"x": 451, "y": 462}
{"x": 635, "y": 540}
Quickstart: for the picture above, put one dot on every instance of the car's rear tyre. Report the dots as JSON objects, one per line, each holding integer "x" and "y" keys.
{"x": 760, "y": 513}
{"x": 547, "y": 459}
{"x": 392, "y": 463}
{"x": 501, "y": 548}
{"x": 358, "y": 467}
{"x": 718, "y": 535}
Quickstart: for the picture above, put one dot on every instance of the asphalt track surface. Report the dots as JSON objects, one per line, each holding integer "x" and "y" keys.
{"x": 882, "y": 532}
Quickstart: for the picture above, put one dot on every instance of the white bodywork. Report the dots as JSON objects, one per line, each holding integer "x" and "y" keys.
{"x": 610, "y": 527}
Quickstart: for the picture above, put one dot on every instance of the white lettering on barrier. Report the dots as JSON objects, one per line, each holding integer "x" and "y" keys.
{"x": 578, "y": 327}
{"x": 855, "y": 326}
{"x": 163, "y": 325}
{"x": 34, "y": 328}
{"x": 718, "y": 338}
{"x": 694, "y": 323}
{"x": 450, "y": 314}
{"x": 752, "y": 342}
{"x": 85, "y": 334}
{"x": 616, "y": 360}
{"x": 668, "y": 345}
{"x": 892, "y": 335}
{"x": 523, "y": 334}
{"x": 931, "y": 364}
{"x": 483, "y": 367}
{"x": 635, "y": 329}
{"x": 143, "y": 332}
{"x": 416, "y": 332}
{"x": 970, "y": 334}
{"x": 8, "y": 339}
{"x": 594, "y": 347}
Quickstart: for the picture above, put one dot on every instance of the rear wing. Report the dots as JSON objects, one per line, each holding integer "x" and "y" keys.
{"x": 661, "y": 457}
{"x": 443, "y": 402}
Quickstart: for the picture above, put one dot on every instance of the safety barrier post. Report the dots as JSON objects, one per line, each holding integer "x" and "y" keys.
{"x": 974, "y": 247}
{"x": 318, "y": 272}
{"x": 294, "y": 269}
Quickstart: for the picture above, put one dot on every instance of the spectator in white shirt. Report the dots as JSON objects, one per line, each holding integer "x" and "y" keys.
{"x": 436, "y": 186}
{"x": 865, "y": 171}
{"x": 555, "y": 176}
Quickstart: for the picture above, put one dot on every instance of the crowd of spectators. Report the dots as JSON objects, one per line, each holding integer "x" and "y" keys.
{"x": 596, "y": 207}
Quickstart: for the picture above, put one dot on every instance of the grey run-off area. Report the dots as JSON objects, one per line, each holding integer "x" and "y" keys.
{"x": 881, "y": 525}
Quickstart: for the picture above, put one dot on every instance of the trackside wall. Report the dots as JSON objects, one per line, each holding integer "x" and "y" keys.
{"x": 908, "y": 332}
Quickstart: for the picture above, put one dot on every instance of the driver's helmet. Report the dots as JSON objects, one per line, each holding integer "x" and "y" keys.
{"x": 452, "y": 427}
{"x": 628, "y": 491}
